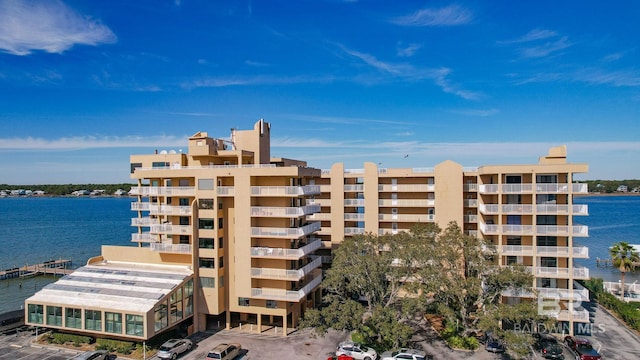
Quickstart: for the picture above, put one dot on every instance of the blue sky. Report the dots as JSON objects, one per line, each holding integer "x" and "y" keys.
{"x": 84, "y": 84}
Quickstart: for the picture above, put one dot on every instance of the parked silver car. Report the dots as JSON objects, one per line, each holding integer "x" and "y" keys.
{"x": 356, "y": 351}
{"x": 174, "y": 347}
{"x": 404, "y": 353}
{"x": 92, "y": 355}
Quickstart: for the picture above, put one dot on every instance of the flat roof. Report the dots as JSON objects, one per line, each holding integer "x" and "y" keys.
{"x": 115, "y": 286}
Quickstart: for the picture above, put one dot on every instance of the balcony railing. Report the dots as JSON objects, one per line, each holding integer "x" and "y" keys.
{"x": 470, "y": 187}
{"x": 226, "y": 190}
{"x": 353, "y": 231}
{"x": 171, "y": 248}
{"x": 413, "y": 188}
{"x": 284, "y": 212}
{"x": 516, "y": 250}
{"x": 353, "y": 217}
{"x": 143, "y": 221}
{"x": 287, "y": 233}
{"x": 163, "y": 190}
{"x": 488, "y": 188}
{"x": 517, "y": 188}
{"x": 407, "y": 202}
{"x": 470, "y": 202}
{"x": 580, "y": 188}
{"x": 470, "y": 218}
{"x": 354, "y": 188}
{"x": 562, "y": 230}
{"x": 283, "y": 274}
{"x": 564, "y": 294}
{"x": 413, "y": 218}
{"x": 353, "y": 202}
{"x": 156, "y": 209}
{"x": 581, "y": 252}
{"x": 578, "y": 315}
{"x": 285, "y": 190}
{"x": 579, "y": 272}
{"x": 144, "y": 237}
{"x": 287, "y": 295}
{"x": 140, "y": 206}
{"x": 552, "y": 188}
{"x": 288, "y": 254}
{"x": 170, "y": 229}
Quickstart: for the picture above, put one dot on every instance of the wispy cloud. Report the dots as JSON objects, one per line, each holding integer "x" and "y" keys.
{"x": 405, "y": 133}
{"x": 546, "y": 48}
{"x": 51, "y": 26}
{"x": 256, "y": 63}
{"x": 592, "y": 76}
{"x": 533, "y": 35}
{"x": 90, "y": 142}
{"x": 344, "y": 120}
{"x": 446, "y": 16}
{"x": 476, "y": 112}
{"x": 613, "y": 57}
{"x": 408, "y": 50}
{"x": 211, "y": 82}
{"x": 409, "y": 72}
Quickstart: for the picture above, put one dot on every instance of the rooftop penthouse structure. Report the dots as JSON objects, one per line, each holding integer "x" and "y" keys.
{"x": 227, "y": 236}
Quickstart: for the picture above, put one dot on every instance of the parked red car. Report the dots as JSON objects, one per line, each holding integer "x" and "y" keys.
{"x": 581, "y": 348}
{"x": 340, "y": 357}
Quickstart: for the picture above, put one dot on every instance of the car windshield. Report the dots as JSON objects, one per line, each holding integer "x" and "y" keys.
{"x": 213, "y": 356}
{"x": 165, "y": 348}
{"x": 585, "y": 346}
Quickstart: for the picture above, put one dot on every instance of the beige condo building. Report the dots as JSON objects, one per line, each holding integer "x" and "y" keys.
{"x": 229, "y": 237}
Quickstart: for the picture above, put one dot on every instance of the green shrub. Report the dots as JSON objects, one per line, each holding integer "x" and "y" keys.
{"x": 122, "y": 347}
{"x": 62, "y": 338}
{"x": 471, "y": 343}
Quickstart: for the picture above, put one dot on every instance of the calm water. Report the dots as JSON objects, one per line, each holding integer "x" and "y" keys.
{"x": 34, "y": 229}
{"x": 39, "y": 229}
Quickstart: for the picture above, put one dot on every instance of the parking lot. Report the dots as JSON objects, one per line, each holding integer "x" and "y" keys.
{"x": 613, "y": 340}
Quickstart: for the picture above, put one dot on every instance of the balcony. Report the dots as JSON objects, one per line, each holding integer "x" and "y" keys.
{"x": 580, "y": 188}
{"x": 406, "y": 202}
{"x": 170, "y": 229}
{"x": 470, "y": 187}
{"x": 552, "y": 188}
{"x": 412, "y": 218}
{"x": 521, "y": 293}
{"x": 412, "y": 188}
{"x": 140, "y": 206}
{"x": 580, "y": 252}
{"x": 287, "y": 295}
{"x": 354, "y": 188}
{"x": 517, "y": 209}
{"x": 353, "y": 217}
{"x": 289, "y": 275}
{"x": 353, "y": 202}
{"x": 562, "y": 230}
{"x": 516, "y": 250}
{"x": 163, "y": 190}
{"x": 170, "y": 210}
{"x": 285, "y": 233}
{"x": 353, "y": 231}
{"x": 286, "y": 254}
{"x": 171, "y": 248}
{"x": 225, "y": 190}
{"x": 306, "y": 190}
{"x": 488, "y": 188}
{"x": 470, "y": 203}
{"x": 517, "y": 188}
{"x": 144, "y": 237}
{"x": 578, "y": 315}
{"x": 579, "y": 272}
{"x": 564, "y": 294}
{"x": 284, "y": 212}
{"x": 143, "y": 221}
{"x": 470, "y": 218}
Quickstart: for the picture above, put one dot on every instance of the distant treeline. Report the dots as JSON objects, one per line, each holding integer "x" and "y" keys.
{"x": 611, "y": 186}
{"x": 67, "y": 189}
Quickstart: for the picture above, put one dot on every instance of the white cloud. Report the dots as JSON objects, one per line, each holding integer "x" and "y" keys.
{"x": 90, "y": 142}
{"x": 546, "y": 49}
{"x": 408, "y": 50}
{"x": 51, "y": 26}
{"x": 477, "y": 112}
{"x": 533, "y": 35}
{"x": 446, "y": 16}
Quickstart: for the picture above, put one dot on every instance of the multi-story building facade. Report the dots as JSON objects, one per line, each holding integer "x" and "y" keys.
{"x": 229, "y": 237}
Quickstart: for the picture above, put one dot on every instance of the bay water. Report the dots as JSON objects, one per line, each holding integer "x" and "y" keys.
{"x": 38, "y": 229}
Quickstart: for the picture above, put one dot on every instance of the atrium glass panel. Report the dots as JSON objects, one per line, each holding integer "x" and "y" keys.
{"x": 113, "y": 322}
{"x": 93, "y": 320}
{"x": 135, "y": 325}
{"x": 73, "y": 318}
{"x": 54, "y": 315}
{"x": 36, "y": 313}
{"x": 161, "y": 317}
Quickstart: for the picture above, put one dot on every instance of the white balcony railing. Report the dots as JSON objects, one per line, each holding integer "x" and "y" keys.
{"x": 470, "y": 187}
{"x": 144, "y": 237}
{"x": 288, "y": 254}
{"x": 170, "y": 229}
{"x": 171, "y": 248}
{"x": 285, "y": 190}
{"x": 563, "y": 294}
{"x": 284, "y": 212}
{"x": 470, "y": 202}
{"x": 578, "y": 315}
{"x": 562, "y": 230}
{"x": 413, "y": 218}
{"x": 225, "y": 190}
{"x": 353, "y": 217}
{"x": 140, "y": 206}
{"x": 516, "y": 250}
{"x": 353, "y": 231}
{"x": 552, "y": 188}
{"x": 580, "y": 252}
{"x": 488, "y": 188}
{"x": 470, "y": 218}
{"x": 283, "y": 274}
{"x": 287, "y": 233}
{"x": 580, "y": 188}
{"x": 143, "y": 221}
{"x": 517, "y": 188}
{"x": 407, "y": 202}
{"x": 353, "y": 202}
{"x": 354, "y": 188}
{"x": 412, "y": 188}
{"x": 581, "y": 273}
{"x": 163, "y": 190}
{"x": 286, "y": 295}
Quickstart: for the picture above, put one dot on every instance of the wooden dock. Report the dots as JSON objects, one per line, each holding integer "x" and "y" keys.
{"x": 58, "y": 267}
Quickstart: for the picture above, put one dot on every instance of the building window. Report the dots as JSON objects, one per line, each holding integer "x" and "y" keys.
{"x": 548, "y": 262}
{"x": 512, "y": 260}
{"x": 206, "y": 243}
{"x": 36, "y": 313}
{"x": 184, "y": 220}
{"x": 175, "y": 300}
{"x": 208, "y": 263}
{"x": 205, "y": 204}
{"x": 221, "y": 262}
{"x": 205, "y": 223}
{"x": 135, "y": 325}
{"x": 207, "y": 282}
{"x": 243, "y": 301}
{"x": 220, "y": 223}
{"x": 545, "y": 282}
{"x": 221, "y": 243}
{"x": 546, "y": 220}
{"x": 73, "y": 318}
{"x": 188, "y": 297}
{"x": 219, "y": 204}
{"x": 184, "y": 239}
{"x": 161, "y": 317}
{"x": 54, "y": 315}
{"x": 92, "y": 320}
{"x": 272, "y": 304}
{"x": 113, "y": 322}
{"x": 134, "y": 166}
{"x": 205, "y": 184}
{"x": 183, "y": 201}
{"x": 159, "y": 164}
{"x": 547, "y": 241}
{"x": 514, "y": 240}
{"x": 514, "y": 220}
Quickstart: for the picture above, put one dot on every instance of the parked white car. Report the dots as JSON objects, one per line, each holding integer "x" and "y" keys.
{"x": 356, "y": 351}
{"x": 174, "y": 347}
{"x": 405, "y": 354}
